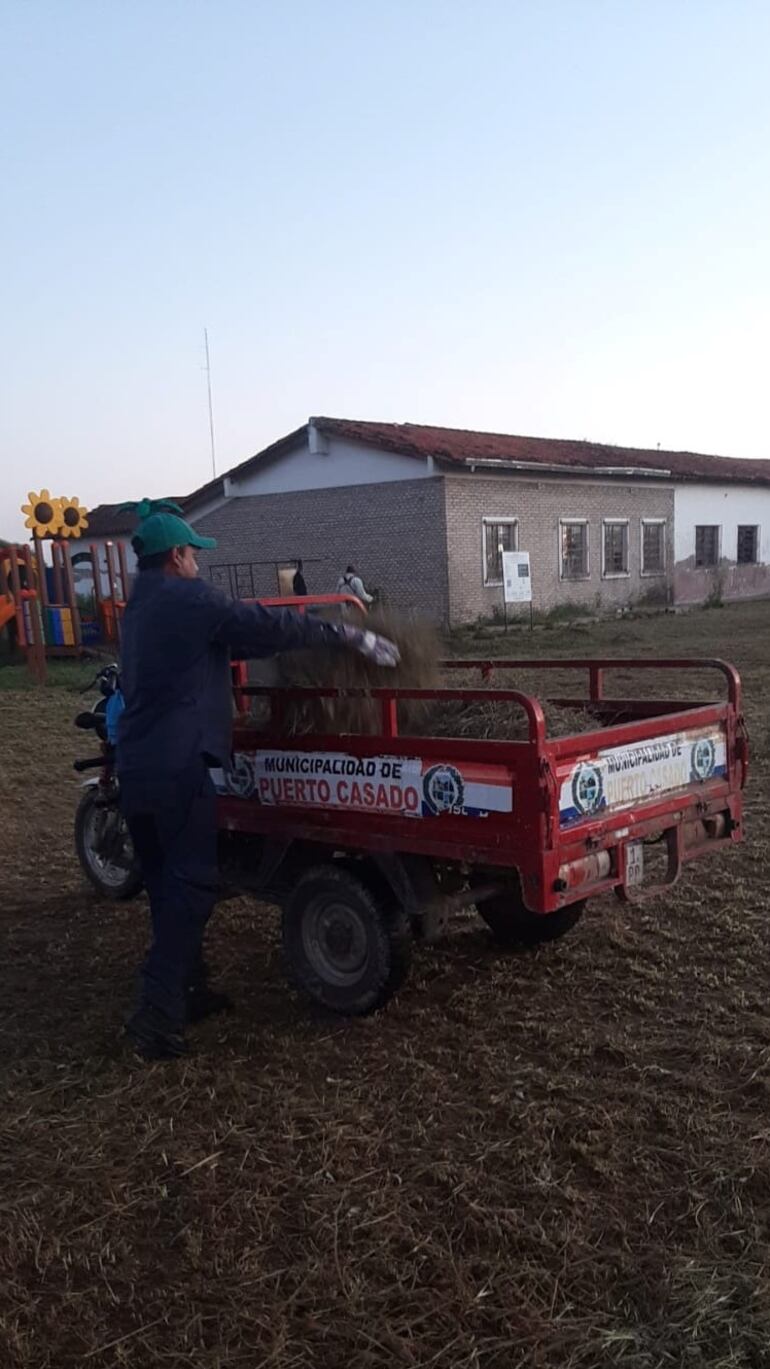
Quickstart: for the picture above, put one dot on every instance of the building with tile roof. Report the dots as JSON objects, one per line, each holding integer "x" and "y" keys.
{"x": 425, "y": 514}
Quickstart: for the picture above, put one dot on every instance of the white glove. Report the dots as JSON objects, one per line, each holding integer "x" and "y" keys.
{"x": 369, "y": 644}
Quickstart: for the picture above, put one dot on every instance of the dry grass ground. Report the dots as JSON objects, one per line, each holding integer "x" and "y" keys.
{"x": 544, "y": 1160}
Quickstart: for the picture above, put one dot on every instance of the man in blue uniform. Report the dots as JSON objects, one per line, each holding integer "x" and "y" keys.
{"x": 179, "y": 635}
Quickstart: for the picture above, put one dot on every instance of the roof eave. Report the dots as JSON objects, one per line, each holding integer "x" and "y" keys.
{"x": 555, "y": 468}
{"x": 217, "y": 486}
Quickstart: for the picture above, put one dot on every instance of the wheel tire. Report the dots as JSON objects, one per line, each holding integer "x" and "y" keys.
{"x": 511, "y": 924}
{"x": 344, "y": 946}
{"x": 97, "y": 871}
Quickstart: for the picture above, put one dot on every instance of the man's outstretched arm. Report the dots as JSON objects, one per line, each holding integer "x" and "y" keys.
{"x": 253, "y": 630}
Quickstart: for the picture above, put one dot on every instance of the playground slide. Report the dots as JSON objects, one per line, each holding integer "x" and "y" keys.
{"x": 7, "y": 609}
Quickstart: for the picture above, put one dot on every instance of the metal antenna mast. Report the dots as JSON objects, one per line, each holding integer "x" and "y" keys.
{"x": 211, "y": 407}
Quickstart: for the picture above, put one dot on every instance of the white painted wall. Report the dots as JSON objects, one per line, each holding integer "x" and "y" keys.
{"x": 725, "y": 505}
{"x": 345, "y": 463}
{"x": 338, "y": 463}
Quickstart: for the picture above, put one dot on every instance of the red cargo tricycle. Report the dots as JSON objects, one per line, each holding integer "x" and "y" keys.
{"x": 368, "y": 841}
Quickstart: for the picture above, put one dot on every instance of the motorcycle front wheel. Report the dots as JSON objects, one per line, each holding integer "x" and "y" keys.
{"x": 105, "y": 849}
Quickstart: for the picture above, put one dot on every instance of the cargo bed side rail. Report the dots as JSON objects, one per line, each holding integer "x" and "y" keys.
{"x": 596, "y": 667}
{"x": 389, "y": 700}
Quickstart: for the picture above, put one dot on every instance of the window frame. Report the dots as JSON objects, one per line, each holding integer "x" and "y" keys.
{"x": 615, "y": 574}
{"x": 491, "y": 521}
{"x": 742, "y": 527}
{"x": 654, "y": 523}
{"x": 567, "y": 522}
{"x": 708, "y": 565}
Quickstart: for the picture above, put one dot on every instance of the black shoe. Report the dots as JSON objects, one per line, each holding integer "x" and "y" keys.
{"x": 205, "y": 1002}
{"x": 154, "y": 1037}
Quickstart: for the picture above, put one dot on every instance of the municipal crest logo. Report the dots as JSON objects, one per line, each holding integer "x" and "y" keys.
{"x": 240, "y": 779}
{"x": 704, "y": 754}
{"x": 587, "y": 788}
{"x": 443, "y": 789}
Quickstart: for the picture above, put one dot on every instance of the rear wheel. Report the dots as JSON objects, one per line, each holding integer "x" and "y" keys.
{"x": 345, "y": 946}
{"x": 512, "y": 924}
{"x": 105, "y": 848}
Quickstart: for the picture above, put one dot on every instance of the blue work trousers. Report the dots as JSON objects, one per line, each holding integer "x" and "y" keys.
{"x": 173, "y": 827}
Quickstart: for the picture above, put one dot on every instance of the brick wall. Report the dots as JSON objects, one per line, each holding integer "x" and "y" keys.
{"x": 420, "y": 541}
{"x": 394, "y": 533}
{"x": 538, "y": 505}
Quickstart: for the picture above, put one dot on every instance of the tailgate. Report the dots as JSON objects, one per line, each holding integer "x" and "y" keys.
{"x": 625, "y": 775}
{"x": 676, "y": 792}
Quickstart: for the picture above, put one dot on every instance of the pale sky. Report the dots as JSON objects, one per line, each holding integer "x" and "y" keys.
{"x": 545, "y": 217}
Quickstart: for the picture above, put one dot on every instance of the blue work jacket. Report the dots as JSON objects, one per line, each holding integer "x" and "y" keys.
{"x": 178, "y": 639}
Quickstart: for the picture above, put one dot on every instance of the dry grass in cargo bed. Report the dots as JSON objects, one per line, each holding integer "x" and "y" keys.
{"x": 419, "y": 668}
{"x": 557, "y": 1160}
{"x": 335, "y": 668}
{"x": 500, "y": 721}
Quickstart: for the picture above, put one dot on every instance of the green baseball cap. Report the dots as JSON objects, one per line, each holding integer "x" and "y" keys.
{"x": 161, "y": 527}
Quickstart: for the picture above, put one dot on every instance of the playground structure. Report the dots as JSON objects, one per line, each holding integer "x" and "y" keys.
{"x": 47, "y": 607}
{"x": 44, "y": 612}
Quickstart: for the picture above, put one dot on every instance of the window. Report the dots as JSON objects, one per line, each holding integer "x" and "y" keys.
{"x": 573, "y": 535}
{"x": 707, "y": 545}
{"x": 748, "y": 544}
{"x": 653, "y": 546}
{"x": 500, "y": 534}
{"x": 615, "y": 549}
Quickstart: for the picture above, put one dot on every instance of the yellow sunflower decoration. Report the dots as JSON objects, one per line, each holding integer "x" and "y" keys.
{"x": 44, "y": 513}
{"x": 74, "y": 518}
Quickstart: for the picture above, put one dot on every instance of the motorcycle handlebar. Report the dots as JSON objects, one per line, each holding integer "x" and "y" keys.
{"x": 107, "y": 675}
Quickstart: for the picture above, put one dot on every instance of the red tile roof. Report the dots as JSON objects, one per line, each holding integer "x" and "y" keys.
{"x": 461, "y": 448}
{"x": 106, "y": 520}
{"x": 457, "y": 446}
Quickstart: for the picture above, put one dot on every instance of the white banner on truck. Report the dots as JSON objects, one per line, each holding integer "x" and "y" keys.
{"x": 406, "y": 786}
{"x": 624, "y": 775}
{"x": 387, "y": 784}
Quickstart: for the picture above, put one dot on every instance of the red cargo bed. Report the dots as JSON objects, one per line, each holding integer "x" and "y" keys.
{"x": 569, "y": 815}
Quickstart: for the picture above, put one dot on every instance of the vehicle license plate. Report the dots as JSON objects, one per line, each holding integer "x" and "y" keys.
{"x": 634, "y": 864}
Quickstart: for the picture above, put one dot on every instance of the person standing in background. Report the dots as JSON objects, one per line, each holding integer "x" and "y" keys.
{"x": 298, "y": 584}
{"x": 351, "y": 583}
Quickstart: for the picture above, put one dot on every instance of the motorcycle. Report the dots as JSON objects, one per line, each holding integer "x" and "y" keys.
{"x": 102, "y": 839}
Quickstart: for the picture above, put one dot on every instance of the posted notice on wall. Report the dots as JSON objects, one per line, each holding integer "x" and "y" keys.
{"x": 517, "y": 580}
